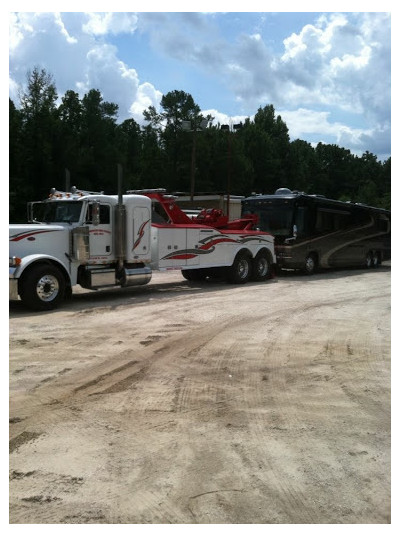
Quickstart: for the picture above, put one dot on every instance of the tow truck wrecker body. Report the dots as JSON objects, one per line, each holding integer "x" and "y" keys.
{"x": 100, "y": 241}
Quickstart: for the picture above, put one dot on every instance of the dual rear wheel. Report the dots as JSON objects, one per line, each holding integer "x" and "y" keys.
{"x": 243, "y": 269}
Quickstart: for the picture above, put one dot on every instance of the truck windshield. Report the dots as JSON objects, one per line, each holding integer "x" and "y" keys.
{"x": 275, "y": 217}
{"x": 57, "y": 211}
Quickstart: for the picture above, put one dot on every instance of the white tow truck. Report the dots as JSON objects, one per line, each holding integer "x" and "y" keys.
{"x": 100, "y": 241}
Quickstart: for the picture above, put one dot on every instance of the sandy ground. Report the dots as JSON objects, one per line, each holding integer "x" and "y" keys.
{"x": 205, "y": 403}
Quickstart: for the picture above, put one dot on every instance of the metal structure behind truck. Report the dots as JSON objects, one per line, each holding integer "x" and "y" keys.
{"x": 100, "y": 241}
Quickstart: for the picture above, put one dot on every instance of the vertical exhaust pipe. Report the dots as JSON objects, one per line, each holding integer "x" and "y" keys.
{"x": 119, "y": 168}
{"x": 67, "y": 180}
{"x": 120, "y": 218}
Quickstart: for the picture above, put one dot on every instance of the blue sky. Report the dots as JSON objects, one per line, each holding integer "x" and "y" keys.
{"x": 328, "y": 74}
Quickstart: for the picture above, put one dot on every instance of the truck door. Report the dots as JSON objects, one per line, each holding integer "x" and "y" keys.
{"x": 100, "y": 236}
{"x": 139, "y": 246}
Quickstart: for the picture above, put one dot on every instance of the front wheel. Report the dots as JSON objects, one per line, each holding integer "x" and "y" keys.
{"x": 42, "y": 288}
{"x": 240, "y": 271}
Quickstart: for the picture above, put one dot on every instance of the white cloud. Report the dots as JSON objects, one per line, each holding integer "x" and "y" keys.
{"x": 310, "y": 124}
{"x": 17, "y": 28}
{"x": 339, "y": 61}
{"x": 63, "y": 30}
{"x": 69, "y": 48}
{"x": 114, "y": 23}
{"x": 223, "y": 119}
{"x": 304, "y": 121}
{"x": 146, "y": 96}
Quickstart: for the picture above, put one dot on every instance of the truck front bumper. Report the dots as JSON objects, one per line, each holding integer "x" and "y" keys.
{"x": 13, "y": 285}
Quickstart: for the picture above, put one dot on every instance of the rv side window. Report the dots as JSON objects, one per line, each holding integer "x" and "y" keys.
{"x": 383, "y": 223}
{"x": 329, "y": 220}
{"x": 303, "y": 221}
{"x": 361, "y": 216}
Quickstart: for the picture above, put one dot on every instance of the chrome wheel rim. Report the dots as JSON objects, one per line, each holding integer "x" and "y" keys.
{"x": 243, "y": 269}
{"x": 310, "y": 265}
{"x": 47, "y": 288}
{"x": 262, "y": 267}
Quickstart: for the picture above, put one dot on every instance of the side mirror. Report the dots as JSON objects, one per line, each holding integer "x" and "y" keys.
{"x": 96, "y": 213}
{"x": 292, "y": 238}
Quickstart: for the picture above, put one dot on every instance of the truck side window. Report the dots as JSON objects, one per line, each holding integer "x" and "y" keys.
{"x": 104, "y": 214}
{"x": 158, "y": 214}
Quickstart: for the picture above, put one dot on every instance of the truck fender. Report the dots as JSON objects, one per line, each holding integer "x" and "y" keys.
{"x": 30, "y": 260}
{"x": 241, "y": 251}
{"x": 267, "y": 251}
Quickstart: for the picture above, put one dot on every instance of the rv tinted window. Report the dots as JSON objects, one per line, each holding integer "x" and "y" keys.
{"x": 383, "y": 223}
{"x": 329, "y": 220}
{"x": 303, "y": 222}
{"x": 361, "y": 216}
{"x": 274, "y": 217}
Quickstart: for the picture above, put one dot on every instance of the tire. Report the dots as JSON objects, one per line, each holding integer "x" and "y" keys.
{"x": 368, "y": 260}
{"x": 310, "y": 264}
{"x": 43, "y": 287}
{"x": 240, "y": 271}
{"x": 376, "y": 259}
{"x": 261, "y": 269}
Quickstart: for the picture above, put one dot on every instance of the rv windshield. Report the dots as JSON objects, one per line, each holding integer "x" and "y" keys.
{"x": 56, "y": 211}
{"x": 274, "y": 216}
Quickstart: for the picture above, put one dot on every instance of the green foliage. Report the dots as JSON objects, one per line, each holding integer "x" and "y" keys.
{"x": 82, "y": 135}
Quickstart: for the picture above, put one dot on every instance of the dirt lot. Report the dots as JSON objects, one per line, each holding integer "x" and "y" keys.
{"x": 186, "y": 403}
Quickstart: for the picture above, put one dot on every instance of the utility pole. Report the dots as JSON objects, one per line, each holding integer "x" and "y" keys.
{"x": 194, "y": 126}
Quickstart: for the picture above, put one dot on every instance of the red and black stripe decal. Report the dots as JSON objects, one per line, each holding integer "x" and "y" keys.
{"x": 140, "y": 234}
{"x": 30, "y": 235}
{"x": 208, "y": 246}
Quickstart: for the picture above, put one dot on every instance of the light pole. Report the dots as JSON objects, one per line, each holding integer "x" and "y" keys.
{"x": 230, "y": 129}
{"x": 189, "y": 127}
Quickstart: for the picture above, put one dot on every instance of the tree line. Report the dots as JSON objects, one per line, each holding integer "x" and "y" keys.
{"x": 48, "y": 136}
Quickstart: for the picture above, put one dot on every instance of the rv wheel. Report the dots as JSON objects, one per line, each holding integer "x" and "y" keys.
{"x": 310, "y": 264}
{"x": 376, "y": 260}
{"x": 369, "y": 260}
